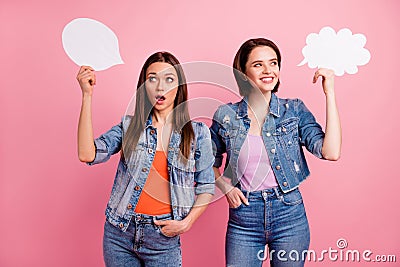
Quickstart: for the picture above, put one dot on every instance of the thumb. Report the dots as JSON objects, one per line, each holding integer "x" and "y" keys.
{"x": 161, "y": 223}
{"x": 244, "y": 199}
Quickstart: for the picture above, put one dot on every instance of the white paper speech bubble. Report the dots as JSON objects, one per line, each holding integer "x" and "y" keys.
{"x": 341, "y": 52}
{"x": 91, "y": 43}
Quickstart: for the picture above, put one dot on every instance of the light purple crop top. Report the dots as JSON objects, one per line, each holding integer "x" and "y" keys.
{"x": 254, "y": 166}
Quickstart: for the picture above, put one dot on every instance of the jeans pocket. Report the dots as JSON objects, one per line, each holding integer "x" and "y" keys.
{"x": 236, "y": 208}
{"x": 291, "y": 198}
{"x": 158, "y": 229}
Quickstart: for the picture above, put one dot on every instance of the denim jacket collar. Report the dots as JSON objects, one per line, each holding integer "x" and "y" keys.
{"x": 149, "y": 121}
{"x": 273, "y": 107}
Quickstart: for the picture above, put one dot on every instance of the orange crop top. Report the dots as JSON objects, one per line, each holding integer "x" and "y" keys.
{"x": 155, "y": 198}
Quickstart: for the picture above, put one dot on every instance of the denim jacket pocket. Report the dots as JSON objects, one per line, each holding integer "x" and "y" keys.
{"x": 138, "y": 157}
{"x": 228, "y": 135}
{"x": 287, "y": 134}
{"x": 181, "y": 164}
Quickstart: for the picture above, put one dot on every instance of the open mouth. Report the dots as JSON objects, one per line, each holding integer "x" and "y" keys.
{"x": 160, "y": 98}
{"x": 267, "y": 79}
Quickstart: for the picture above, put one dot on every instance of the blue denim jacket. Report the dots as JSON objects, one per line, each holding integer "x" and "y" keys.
{"x": 288, "y": 127}
{"x": 186, "y": 180}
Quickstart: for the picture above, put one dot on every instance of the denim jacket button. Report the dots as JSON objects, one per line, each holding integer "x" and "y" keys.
{"x": 129, "y": 206}
{"x": 137, "y": 188}
{"x": 169, "y": 168}
{"x": 150, "y": 151}
{"x": 152, "y": 132}
{"x": 273, "y": 151}
{"x": 278, "y": 167}
{"x": 144, "y": 169}
{"x": 268, "y": 134}
{"x": 284, "y": 129}
{"x": 284, "y": 183}
{"x": 121, "y": 225}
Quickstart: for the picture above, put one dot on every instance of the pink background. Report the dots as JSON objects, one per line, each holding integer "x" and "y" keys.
{"x": 52, "y": 206}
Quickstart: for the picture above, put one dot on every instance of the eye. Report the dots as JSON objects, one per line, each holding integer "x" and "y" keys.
{"x": 274, "y": 63}
{"x": 257, "y": 65}
{"x": 152, "y": 79}
{"x": 170, "y": 80}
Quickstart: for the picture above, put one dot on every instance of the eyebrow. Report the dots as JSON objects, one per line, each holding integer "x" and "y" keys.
{"x": 272, "y": 59}
{"x": 166, "y": 74}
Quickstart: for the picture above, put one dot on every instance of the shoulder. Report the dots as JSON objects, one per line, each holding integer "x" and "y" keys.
{"x": 289, "y": 103}
{"x": 199, "y": 126}
{"x": 224, "y": 109}
{"x": 200, "y": 130}
{"x": 126, "y": 120}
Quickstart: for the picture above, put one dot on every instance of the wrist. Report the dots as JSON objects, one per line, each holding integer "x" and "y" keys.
{"x": 86, "y": 95}
{"x": 223, "y": 185}
{"x": 330, "y": 93}
{"x": 187, "y": 223}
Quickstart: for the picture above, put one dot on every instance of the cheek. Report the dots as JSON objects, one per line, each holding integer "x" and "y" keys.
{"x": 150, "y": 94}
{"x": 277, "y": 72}
{"x": 150, "y": 87}
{"x": 172, "y": 93}
{"x": 252, "y": 75}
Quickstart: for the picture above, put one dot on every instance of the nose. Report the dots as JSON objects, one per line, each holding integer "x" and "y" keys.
{"x": 160, "y": 85}
{"x": 267, "y": 69}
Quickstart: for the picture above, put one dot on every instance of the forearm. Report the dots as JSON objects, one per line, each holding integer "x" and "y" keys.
{"x": 199, "y": 206}
{"x": 333, "y": 134}
{"x": 86, "y": 147}
{"x": 220, "y": 182}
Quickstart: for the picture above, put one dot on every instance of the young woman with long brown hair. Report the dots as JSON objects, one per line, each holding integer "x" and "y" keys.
{"x": 263, "y": 137}
{"x": 164, "y": 179}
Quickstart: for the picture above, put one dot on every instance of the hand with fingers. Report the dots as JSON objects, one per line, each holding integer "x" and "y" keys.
{"x": 86, "y": 79}
{"x": 328, "y": 77}
{"x": 173, "y": 228}
{"x": 235, "y": 197}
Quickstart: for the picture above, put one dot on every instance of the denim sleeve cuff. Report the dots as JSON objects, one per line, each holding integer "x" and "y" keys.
{"x": 317, "y": 151}
{"x": 101, "y": 152}
{"x": 205, "y": 188}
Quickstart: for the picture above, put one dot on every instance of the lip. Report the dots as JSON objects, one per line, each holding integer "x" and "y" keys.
{"x": 267, "y": 79}
{"x": 160, "y": 99}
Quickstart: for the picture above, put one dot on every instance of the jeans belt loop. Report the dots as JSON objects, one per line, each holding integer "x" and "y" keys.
{"x": 278, "y": 195}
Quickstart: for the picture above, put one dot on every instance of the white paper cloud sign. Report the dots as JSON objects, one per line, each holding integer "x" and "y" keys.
{"x": 90, "y": 42}
{"x": 341, "y": 52}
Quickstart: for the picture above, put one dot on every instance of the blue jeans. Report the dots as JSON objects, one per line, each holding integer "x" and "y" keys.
{"x": 274, "y": 226}
{"x": 143, "y": 244}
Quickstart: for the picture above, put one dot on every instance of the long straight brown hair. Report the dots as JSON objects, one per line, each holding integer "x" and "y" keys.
{"x": 181, "y": 119}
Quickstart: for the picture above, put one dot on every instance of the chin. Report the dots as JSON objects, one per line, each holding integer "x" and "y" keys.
{"x": 266, "y": 90}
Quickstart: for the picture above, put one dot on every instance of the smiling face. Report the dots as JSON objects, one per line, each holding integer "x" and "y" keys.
{"x": 161, "y": 85}
{"x": 262, "y": 68}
